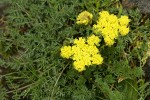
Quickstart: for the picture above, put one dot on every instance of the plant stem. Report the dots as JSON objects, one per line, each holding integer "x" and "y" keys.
{"x": 58, "y": 80}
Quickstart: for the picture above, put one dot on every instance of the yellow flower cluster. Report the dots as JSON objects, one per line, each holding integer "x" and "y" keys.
{"x": 108, "y": 25}
{"x": 66, "y": 52}
{"x": 84, "y": 52}
{"x": 84, "y": 18}
{"x": 123, "y": 22}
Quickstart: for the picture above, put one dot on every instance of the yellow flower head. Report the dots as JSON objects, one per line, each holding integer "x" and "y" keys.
{"x": 104, "y": 14}
{"x": 109, "y": 41}
{"x": 124, "y": 30}
{"x": 92, "y": 50}
{"x": 79, "y": 66}
{"x": 97, "y": 59}
{"x": 84, "y": 18}
{"x": 66, "y": 52}
{"x": 80, "y": 41}
{"x": 109, "y": 26}
{"x": 93, "y": 40}
{"x": 84, "y": 52}
{"x": 124, "y": 21}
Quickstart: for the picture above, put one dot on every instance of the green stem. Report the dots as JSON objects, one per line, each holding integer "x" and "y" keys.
{"x": 57, "y": 81}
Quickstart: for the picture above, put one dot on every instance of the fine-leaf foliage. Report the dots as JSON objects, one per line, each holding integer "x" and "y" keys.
{"x": 30, "y": 45}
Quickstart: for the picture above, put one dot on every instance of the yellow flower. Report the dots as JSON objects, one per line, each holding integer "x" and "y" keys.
{"x": 109, "y": 26}
{"x": 104, "y": 14}
{"x": 124, "y": 30}
{"x": 97, "y": 59}
{"x": 92, "y": 50}
{"x": 124, "y": 20}
{"x": 86, "y": 58}
{"x": 76, "y": 49}
{"x": 79, "y": 65}
{"x": 84, "y": 18}
{"x": 108, "y": 41}
{"x": 84, "y": 52}
{"x": 113, "y": 20}
{"x": 66, "y": 52}
{"x": 93, "y": 40}
{"x": 80, "y": 41}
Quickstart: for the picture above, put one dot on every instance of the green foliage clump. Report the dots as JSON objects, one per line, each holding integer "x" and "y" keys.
{"x": 30, "y": 49}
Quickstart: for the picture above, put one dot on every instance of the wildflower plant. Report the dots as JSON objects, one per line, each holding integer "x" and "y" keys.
{"x": 72, "y": 50}
{"x": 84, "y": 18}
{"x": 109, "y": 26}
{"x": 84, "y": 52}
